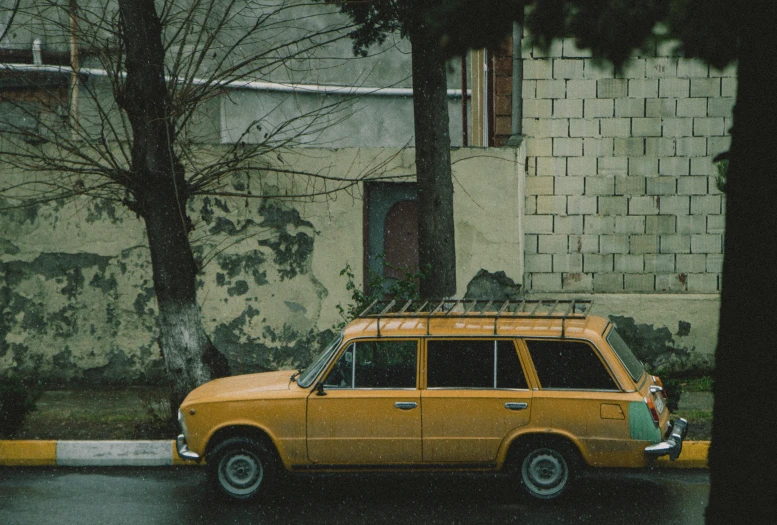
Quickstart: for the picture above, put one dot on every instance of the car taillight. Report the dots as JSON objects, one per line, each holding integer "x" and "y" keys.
{"x": 652, "y": 408}
{"x": 657, "y": 380}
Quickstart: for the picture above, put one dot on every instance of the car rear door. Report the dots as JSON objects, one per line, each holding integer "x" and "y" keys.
{"x": 476, "y": 394}
{"x": 579, "y": 396}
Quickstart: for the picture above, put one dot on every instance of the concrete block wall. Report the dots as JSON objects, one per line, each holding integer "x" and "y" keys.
{"x": 621, "y": 193}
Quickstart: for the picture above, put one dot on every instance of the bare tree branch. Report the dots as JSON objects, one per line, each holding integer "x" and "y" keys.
{"x": 209, "y": 47}
{"x": 11, "y": 17}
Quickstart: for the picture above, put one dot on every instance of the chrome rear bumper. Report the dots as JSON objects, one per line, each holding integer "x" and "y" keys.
{"x": 673, "y": 444}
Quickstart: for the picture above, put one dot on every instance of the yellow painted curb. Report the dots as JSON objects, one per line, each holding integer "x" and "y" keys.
{"x": 28, "y": 453}
{"x": 694, "y": 455}
{"x": 42, "y": 453}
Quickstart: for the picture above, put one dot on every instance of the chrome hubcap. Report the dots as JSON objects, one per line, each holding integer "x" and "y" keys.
{"x": 241, "y": 473}
{"x": 545, "y": 472}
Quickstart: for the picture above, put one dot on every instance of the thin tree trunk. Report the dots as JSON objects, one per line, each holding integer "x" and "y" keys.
{"x": 742, "y": 465}
{"x": 160, "y": 198}
{"x": 190, "y": 357}
{"x": 436, "y": 246}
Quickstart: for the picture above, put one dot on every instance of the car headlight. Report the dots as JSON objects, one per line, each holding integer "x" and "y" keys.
{"x": 182, "y": 422}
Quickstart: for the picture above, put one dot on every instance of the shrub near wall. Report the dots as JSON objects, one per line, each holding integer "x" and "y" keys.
{"x": 17, "y": 399}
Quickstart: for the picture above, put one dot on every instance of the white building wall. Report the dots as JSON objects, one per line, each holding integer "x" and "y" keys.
{"x": 621, "y": 187}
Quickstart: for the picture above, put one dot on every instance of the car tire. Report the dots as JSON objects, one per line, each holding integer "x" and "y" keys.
{"x": 241, "y": 468}
{"x": 545, "y": 470}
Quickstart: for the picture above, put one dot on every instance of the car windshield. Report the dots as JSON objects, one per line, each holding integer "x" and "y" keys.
{"x": 310, "y": 373}
{"x": 627, "y": 357}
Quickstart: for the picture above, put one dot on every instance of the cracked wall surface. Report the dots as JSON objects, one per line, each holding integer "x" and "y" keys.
{"x": 76, "y": 297}
{"x": 670, "y": 333}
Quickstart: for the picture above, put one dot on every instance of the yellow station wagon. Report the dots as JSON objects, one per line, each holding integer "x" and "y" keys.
{"x": 535, "y": 389}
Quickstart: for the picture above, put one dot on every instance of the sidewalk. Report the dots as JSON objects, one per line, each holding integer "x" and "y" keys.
{"x": 27, "y": 453}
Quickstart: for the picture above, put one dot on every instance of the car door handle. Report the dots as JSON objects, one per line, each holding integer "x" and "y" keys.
{"x": 516, "y": 406}
{"x": 405, "y": 405}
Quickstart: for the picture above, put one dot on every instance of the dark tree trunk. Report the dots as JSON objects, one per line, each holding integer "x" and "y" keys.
{"x": 436, "y": 246}
{"x": 744, "y": 444}
{"x": 160, "y": 198}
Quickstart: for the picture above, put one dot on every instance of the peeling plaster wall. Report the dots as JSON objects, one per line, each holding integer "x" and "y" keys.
{"x": 668, "y": 332}
{"x": 66, "y": 312}
{"x": 77, "y": 300}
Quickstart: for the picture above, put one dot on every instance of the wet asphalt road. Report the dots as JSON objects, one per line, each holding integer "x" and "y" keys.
{"x": 40, "y": 496}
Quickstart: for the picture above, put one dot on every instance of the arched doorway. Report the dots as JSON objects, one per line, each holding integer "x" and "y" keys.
{"x": 390, "y": 230}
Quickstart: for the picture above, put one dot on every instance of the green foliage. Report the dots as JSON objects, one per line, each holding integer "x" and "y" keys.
{"x": 378, "y": 288}
{"x": 610, "y": 29}
{"x": 17, "y": 399}
{"x": 707, "y": 29}
{"x": 476, "y": 24}
{"x": 677, "y": 384}
{"x": 377, "y": 19}
{"x": 722, "y": 177}
{"x": 456, "y": 24}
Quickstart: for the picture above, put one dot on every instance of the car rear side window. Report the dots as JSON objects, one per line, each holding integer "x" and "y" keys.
{"x": 375, "y": 364}
{"x": 474, "y": 363}
{"x": 569, "y": 365}
{"x": 630, "y": 361}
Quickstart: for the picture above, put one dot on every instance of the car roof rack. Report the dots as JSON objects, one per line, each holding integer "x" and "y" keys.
{"x": 563, "y": 309}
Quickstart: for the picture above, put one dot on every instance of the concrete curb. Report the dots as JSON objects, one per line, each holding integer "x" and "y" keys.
{"x": 163, "y": 453}
{"x": 90, "y": 453}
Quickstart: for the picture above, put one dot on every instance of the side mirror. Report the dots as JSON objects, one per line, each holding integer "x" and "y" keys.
{"x": 320, "y": 389}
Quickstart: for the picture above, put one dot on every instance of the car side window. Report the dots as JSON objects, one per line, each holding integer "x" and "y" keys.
{"x": 473, "y": 363}
{"x": 569, "y": 365}
{"x": 375, "y": 364}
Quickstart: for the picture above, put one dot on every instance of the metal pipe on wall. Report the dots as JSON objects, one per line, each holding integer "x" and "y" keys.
{"x": 464, "y": 123}
{"x": 74, "y": 66}
{"x": 517, "y": 96}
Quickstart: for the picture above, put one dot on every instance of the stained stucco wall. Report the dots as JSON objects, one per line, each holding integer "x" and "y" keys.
{"x": 76, "y": 297}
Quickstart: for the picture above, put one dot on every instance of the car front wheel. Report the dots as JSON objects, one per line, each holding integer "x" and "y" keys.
{"x": 241, "y": 468}
{"x": 545, "y": 472}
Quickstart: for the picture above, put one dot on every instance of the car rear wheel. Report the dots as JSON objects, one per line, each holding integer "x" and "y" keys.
{"x": 546, "y": 471}
{"x": 241, "y": 468}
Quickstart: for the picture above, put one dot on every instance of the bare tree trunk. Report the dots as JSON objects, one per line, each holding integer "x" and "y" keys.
{"x": 190, "y": 357}
{"x": 160, "y": 198}
{"x": 436, "y": 244}
{"x": 742, "y": 465}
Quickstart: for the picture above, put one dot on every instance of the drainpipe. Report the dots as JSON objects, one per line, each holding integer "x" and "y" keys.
{"x": 517, "y": 98}
{"x": 74, "y": 66}
{"x": 464, "y": 123}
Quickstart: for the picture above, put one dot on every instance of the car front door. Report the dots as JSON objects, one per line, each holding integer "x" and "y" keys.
{"x": 368, "y": 411}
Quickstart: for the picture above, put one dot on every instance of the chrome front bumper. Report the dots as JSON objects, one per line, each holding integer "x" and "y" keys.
{"x": 183, "y": 450}
{"x": 673, "y": 444}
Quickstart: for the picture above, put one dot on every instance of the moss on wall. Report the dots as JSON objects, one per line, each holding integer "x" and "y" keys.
{"x": 72, "y": 315}
{"x": 661, "y": 350}
{"x": 77, "y": 301}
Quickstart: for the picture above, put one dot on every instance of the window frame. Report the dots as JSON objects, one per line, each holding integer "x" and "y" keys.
{"x": 355, "y": 341}
{"x": 524, "y": 342}
{"x": 609, "y": 333}
{"x": 514, "y": 340}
